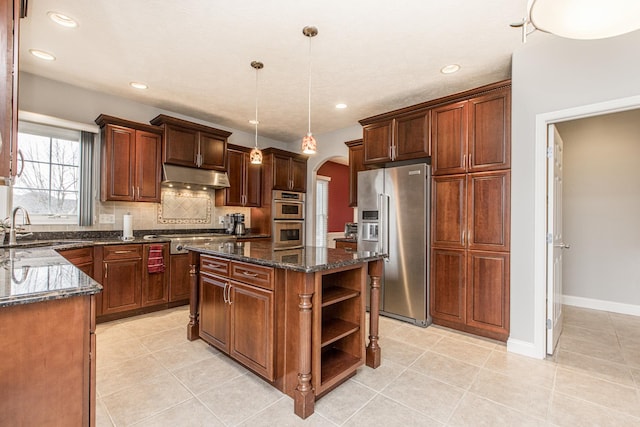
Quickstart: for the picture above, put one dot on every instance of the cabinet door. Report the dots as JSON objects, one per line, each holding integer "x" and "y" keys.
{"x": 489, "y": 211}
{"x": 121, "y": 281}
{"x": 298, "y": 174}
{"x": 236, "y": 173}
{"x": 253, "y": 184}
{"x": 155, "y": 289}
{"x": 118, "y": 163}
{"x": 449, "y": 211}
{"x": 488, "y": 292}
{"x": 490, "y": 132}
{"x": 448, "y": 285}
{"x": 214, "y": 311}
{"x": 356, "y": 164}
{"x": 148, "y": 166}
{"x": 179, "y": 281}
{"x": 281, "y": 179}
{"x": 213, "y": 152}
{"x": 8, "y": 106}
{"x": 180, "y": 145}
{"x": 377, "y": 139}
{"x": 449, "y": 138}
{"x": 412, "y": 136}
{"x": 252, "y": 331}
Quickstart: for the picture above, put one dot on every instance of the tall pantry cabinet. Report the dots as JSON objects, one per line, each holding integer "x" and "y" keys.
{"x": 470, "y": 223}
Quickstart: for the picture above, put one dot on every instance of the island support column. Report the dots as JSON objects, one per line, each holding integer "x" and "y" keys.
{"x": 304, "y": 397}
{"x": 374, "y": 353}
{"x": 193, "y": 328}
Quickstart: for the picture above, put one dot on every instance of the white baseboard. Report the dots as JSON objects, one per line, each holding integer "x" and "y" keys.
{"x": 596, "y": 304}
{"x": 524, "y": 348}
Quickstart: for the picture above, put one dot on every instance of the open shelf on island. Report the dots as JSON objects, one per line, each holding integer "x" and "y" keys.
{"x": 335, "y": 329}
{"x": 335, "y": 294}
{"x": 335, "y": 362}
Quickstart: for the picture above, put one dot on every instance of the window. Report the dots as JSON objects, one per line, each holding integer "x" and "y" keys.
{"x": 49, "y": 184}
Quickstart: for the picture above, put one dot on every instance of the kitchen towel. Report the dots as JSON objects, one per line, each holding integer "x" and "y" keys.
{"x": 155, "y": 263}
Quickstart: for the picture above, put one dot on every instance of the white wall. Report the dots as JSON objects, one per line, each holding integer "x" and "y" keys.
{"x": 601, "y": 207}
{"x": 553, "y": 75}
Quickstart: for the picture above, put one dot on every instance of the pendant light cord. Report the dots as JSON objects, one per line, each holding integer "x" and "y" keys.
{"x": 256, "y": 108}
{"x": 309, "y": 109}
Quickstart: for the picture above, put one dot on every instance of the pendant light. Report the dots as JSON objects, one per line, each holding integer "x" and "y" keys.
{"x": 309, "y": 142}
{"x": 256, "y": 155}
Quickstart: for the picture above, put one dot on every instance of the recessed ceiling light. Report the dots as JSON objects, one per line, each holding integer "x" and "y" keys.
{"x": 42, "y": 54}
{"x": 254, "y": 122}
{"x": 341, "y": 106}
{"x": 138, "y": 85}
{"x": 63, "y": 20}
{"x": 450, "y": 69}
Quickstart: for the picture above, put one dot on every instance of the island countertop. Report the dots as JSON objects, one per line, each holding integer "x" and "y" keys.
{"x": 307, "y": 259}
{"x": 29, "y": 275}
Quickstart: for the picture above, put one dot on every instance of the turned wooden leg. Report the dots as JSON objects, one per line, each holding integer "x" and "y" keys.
{"x": 193, "y": 328}
{"x": 303, "y": 396}
{"x": 374, "y": 353}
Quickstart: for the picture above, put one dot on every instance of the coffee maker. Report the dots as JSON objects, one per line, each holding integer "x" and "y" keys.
{"x": 234, "y": 224}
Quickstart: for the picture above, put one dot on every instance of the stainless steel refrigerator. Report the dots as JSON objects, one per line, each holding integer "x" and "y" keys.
{"x": 393, "y": 211}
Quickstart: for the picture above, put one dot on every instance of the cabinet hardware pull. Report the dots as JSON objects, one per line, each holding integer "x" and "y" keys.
{"x": 229, "y": 295}
{"x": 464, "y": 161}
{"x": 138, "y": 191}
{"x": 106, "y": 271}
{"x": 470, "y": 162}
{"x": 19, "y": 174}
{"x": 224, "y": 293}
{"x": 246, "y": 273}
{"x": 462, "y": 237}
{"x": 122, "y": 252}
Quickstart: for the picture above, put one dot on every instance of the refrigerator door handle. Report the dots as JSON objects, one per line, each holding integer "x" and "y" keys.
{"x": 384, "y": 224}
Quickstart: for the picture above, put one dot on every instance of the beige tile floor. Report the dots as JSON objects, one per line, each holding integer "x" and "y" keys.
{"x": 150, "y": 375}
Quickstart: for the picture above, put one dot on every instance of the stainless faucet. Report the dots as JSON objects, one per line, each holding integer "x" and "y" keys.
{"x": 25, "y": 221}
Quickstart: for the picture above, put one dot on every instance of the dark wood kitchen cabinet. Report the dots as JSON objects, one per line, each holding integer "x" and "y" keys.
{"x": 396, "y": 137}
{"x": 286, "y": 170}
{"x": 155, "y": 286}
{"x": 81, "y": 258}
{"x": 191, "y": 144}
{"x": 356, "y": 164}
{"x": 9, "y": 35}
{"x": 245, "y": 180}
{"x": 179, "y": 281}
{"x": 237, "y": 313}
{"x": 131, "y": 154}
{"x": 121, "y": 278}
{"x": 472, "y": 135}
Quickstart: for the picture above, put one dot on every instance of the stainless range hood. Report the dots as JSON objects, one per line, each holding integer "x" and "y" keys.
{"x": 200, "y": 178}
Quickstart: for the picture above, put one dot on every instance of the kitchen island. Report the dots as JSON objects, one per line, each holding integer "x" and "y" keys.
{"x": 295, "y": 317}
{"x": 47, "y": 340}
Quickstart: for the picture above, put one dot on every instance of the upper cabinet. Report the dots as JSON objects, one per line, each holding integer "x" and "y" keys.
{"x": 356, "y": 164}
{"x": 9, "y": 13}
{"x": 192, "y": 145}
{"x": 131, "y": 154}
{"x": 401, "y": 137}
{"x": 472, "y": 135}
{"x": 287, "y": 171}
{"x": 245, "y": 180}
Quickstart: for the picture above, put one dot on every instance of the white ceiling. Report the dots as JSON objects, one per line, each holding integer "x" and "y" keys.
{"x": 195, "y": 55}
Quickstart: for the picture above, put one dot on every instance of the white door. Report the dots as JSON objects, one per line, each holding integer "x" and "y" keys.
{"x": 555, "y": 242}
{"x": 322, "y": 210}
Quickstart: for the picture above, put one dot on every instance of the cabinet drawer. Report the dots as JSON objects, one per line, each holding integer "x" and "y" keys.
{"x": 115, "y": 252}
{"x": 252, "y": 274}
{"x": 78, "y": 256}
{"x": 209, "y": 264}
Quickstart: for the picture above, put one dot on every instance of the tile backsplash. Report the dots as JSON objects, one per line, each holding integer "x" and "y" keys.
{"x": 179, "y": 209}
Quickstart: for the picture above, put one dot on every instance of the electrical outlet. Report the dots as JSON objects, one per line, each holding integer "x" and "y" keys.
{"x": 107, "y": 219}
{"x": 220, "y": 220}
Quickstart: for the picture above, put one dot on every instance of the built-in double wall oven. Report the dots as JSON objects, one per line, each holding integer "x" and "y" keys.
{"x": 288, "y": 219}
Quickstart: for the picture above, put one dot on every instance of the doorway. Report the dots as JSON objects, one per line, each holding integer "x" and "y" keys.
{"x": 542, "y": 208}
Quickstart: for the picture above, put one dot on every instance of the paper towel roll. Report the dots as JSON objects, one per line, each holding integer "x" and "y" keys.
{"x": 127, "y": 227}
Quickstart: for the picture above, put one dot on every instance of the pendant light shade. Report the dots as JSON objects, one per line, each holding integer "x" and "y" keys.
{"x": 586, "y": 19}
{"x": 255, "y": 156}
{"x": 309, "y": 142}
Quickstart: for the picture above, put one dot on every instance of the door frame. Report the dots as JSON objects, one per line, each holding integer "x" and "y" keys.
{"x": 543, "y": 120}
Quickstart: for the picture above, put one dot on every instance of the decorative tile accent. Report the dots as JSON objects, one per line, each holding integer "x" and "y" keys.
{"x": 184, "y": 207}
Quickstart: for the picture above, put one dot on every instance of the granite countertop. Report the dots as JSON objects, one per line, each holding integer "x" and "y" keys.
{"x": 307, "y": 259}
{"x": 29, "y": 275}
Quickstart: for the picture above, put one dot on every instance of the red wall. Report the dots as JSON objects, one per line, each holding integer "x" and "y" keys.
{"x": 339, "y": 210}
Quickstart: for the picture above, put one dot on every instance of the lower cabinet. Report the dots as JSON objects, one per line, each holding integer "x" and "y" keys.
{"x": 127, "y": 284}
{"x": 470, "y": 291}
{"x": 81, "y": 258}
{"x": 179, "y": 281}
{"x": 237, "y": 312}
